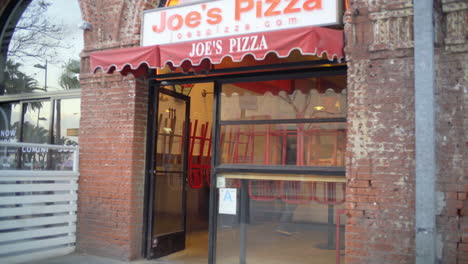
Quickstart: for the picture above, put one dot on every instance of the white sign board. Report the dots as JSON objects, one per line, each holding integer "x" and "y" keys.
{"x": 228, "y": 201}
{"x": 222, "y": 18}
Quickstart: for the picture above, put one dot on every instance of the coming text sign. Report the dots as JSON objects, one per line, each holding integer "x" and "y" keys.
{"x": 222, "y": 18}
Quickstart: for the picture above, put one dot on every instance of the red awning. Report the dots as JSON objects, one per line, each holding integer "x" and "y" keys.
{"x": 315, "y": 41}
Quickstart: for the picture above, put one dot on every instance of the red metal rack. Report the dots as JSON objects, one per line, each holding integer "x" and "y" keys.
{"x": 199, "y": 165}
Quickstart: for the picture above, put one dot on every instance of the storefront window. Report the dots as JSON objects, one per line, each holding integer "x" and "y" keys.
{"x": 280, "y": 219}
{"x": 280, "y": 174}
{"x": 43, "y": 54}
{"x": 254, "y": 128}
{"x": 307, "y": 144}
{"x": 31, "y": 122}
{"x": 323, "y": 97}
{"x": 42, "y": 57}
{"x": 9, "y": 132}
{"x": 65, "y": 132}
{"x": 67, "y": 121}
{"x": 9, "y": 122}
{"x": 36, "y": 122}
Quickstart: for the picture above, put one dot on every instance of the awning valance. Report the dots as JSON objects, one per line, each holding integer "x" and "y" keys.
{"x": 315, "y": 41}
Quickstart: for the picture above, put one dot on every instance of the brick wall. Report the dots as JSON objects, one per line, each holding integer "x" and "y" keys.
{"x": 380, "y": 195}
{"x": 380, "y": 151}
{"x": 112, "y": 136}
{"x": 112, "y": 145}
{"x": 452, "y": 124}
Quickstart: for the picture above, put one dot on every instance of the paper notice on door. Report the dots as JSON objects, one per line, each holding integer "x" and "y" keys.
{"x": 220, "y": 182}
{"x": 228, "y": 201}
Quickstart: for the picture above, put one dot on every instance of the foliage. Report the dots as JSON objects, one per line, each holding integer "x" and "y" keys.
{"x": 17, "y": 81}
{"x": 35, "y": 134}
{"x": 69, "y": 77}
{"x": 35, "y": 35}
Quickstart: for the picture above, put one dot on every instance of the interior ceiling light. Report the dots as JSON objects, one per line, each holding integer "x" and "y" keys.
{"x": 319, "y": 108}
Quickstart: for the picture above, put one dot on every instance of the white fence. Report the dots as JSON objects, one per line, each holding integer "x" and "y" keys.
{"x": 38, "y": 207}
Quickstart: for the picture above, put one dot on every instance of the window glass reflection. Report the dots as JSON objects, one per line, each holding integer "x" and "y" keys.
{"x": 9, "y": 122}
{"x": 9, "y": 132}
{"x": 35, "y": 129}
{"x": 280, "y": 219}
{"x": 323, "y": 97}
{"x": 67, "y": 121}
{"x": 36, "y": 122}
{"x": 309, "y": 144}
{"x": 43, "y": 54}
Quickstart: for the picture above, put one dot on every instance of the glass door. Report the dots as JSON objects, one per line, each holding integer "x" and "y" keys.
{"x": 167, "y": 218}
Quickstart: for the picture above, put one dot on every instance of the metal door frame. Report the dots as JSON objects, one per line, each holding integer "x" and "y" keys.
{"x": 155, "y": 90}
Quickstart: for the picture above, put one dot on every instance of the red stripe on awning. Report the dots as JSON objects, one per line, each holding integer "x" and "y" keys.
{"x": 309, "y": 41}
{"x": 135, "y": 60}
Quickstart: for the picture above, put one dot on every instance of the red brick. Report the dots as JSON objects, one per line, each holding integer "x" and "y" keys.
{"x": 111, "y": 167}
{"x": 358, "y": 183}
{"x": 462, "y": 196}
{"x": 463, "y": 247}
{"x": 354, "y": 213}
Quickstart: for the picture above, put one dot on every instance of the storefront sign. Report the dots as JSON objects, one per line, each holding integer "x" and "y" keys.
{"x": 235, "y": 44}
{"x": 222, "y": 18}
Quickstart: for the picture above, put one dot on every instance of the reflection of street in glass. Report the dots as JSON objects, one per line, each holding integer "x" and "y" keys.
{"x": 44, "y": 50}
{"x": 67, "y": 165}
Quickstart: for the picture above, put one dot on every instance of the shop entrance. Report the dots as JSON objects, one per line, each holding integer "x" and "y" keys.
{"x": 180, "y": 173}
{"x": 249, "y": 168}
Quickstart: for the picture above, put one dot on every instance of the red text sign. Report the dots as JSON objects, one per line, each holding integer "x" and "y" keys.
{"x": 221, "y": 18}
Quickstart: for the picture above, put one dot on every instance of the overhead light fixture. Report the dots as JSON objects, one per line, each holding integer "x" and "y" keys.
{"x": 319, "y": 108}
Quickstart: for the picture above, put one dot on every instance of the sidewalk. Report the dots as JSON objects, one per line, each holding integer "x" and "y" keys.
{"x": 76, "y": 258}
